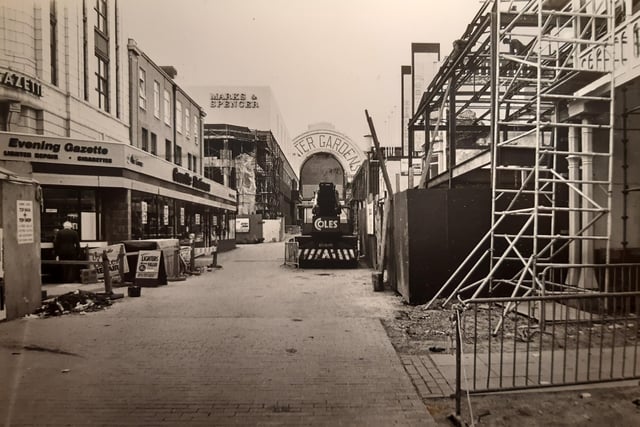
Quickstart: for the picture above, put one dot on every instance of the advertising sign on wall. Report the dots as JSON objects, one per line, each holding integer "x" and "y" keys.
{"x": 242, "y": 225}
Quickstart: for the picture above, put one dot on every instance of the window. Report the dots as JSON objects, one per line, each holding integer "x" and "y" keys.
{"x": 167, "y": 150}
{"x": 187, "y": 120}
{"x": 54, "y": 43}
{"x": 189, "y": 161}
{"x": 102, "y": 83}
{"x": 196, "y": 129}
{"x": 144, "y": 144}
{"x": 101, "y": 12}
{"x": 195, "y": 163}
{"x": 154, "y": 143}
{"x": 156, "y": 99}
{"x": 167, "y": 107}
{"x": 142, "y": 89}
{"x": 179, "y": 116}
{"x": 177, "y": 156}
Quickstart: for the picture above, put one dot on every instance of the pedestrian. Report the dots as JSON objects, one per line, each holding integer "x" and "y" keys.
{"x": 214, "y": 250}
{"x": 66, "y": 247}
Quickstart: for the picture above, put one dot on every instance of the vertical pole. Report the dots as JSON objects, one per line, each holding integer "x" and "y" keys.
{"x": 108, "y": 289}
{"x": 192, "y": 258}
{"x": 410, "y": 160}
{"x": 458, "y": 362}
{"x": 121, "y": 256}
{"x": 451, "y": 158}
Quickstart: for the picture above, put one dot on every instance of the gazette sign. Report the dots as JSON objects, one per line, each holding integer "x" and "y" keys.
{"x": 23, "y": 83}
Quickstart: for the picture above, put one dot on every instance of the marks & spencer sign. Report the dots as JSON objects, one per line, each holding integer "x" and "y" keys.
{"x": 233, "y": 100}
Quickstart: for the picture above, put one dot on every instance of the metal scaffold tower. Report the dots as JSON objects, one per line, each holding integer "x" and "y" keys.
{"x": 548, "y": 97}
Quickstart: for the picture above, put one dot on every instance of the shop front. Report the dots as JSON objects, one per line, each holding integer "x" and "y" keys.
{"x": 112, "y": 192}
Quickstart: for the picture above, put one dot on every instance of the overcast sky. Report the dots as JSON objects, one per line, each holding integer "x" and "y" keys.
{"x": 325, "y": 60}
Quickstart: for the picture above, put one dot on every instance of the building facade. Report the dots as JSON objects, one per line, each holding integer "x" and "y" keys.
{"x": 247, "y": 147}
{"x": 115, "y": 144}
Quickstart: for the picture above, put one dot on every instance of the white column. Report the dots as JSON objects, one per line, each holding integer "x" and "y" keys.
{"x": 574, "y": 203}
{"x": 588, "y": 279}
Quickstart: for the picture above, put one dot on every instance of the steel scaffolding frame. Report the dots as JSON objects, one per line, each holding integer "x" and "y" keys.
{"x": 541, "y": 73}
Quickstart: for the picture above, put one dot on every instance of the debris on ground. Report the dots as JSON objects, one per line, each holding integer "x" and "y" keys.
{"x": 73, "y": 302}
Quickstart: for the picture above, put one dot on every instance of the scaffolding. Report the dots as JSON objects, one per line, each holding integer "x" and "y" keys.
{"x": 538, "y": 77}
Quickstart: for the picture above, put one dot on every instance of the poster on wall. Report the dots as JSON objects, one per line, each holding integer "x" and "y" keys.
{"x": 148, "y": 264}
{"x": 242, "y": 225}
{"x": 197, "y": 219}
{"x": 181, "y": 216}
{"x": 143, "y": 209}
{"x": 25, "y": 221}
{"x": 370, "y": 229}
{"x": 165, "y": 215}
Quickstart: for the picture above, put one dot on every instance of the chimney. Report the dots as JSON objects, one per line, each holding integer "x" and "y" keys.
{"x": 170, "y": 70}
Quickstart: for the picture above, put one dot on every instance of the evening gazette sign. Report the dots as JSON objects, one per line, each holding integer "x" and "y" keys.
{"x": 340, "y": 146}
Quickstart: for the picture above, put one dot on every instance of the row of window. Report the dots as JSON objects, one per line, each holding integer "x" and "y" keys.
{"x": 181, "y": 117}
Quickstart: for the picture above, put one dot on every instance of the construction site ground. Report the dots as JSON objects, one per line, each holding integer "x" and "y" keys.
{"x": 424, "y": 341}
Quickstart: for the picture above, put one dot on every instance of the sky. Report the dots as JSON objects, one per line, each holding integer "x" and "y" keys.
{"x": 325, "y": 60}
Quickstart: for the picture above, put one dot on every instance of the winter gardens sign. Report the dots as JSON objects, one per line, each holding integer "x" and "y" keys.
{"x": 329, "y": 141}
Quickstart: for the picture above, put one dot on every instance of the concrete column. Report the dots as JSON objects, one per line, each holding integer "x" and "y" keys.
{"x": 588, "y": 279}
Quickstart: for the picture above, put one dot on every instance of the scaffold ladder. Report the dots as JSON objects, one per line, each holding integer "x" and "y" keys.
{"x": 552, "y": 115}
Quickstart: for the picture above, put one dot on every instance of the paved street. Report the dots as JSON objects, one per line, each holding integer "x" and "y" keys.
{"x": 254, "y": 343}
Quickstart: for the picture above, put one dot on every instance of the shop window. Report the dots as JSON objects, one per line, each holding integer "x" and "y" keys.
{"x": 196, "y": 129}
{"x": 102, "y": 83}
{"x": 154, "y": 144}
{"x": 101, "y": 16}
{"x": 187, "y": 122}
{"x": 156, "y": 99}
{"x": 144, "y": 143}
{"x": 77, "y": 206}
{"x": 177, "y": 155}
{"x": 168, "y": 149}
{"x": 142, "y": 88}
{"x": 167, "y": 108}
{"x": 53, "y": 21}
{"x": 179, "y": 116}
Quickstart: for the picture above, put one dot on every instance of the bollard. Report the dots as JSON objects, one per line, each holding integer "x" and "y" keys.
{"x": 108, "y": 289}
{"x": 192, "y": 258}
{"x": 121, "y": 256}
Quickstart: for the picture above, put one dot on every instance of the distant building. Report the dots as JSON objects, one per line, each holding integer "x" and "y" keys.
{"x": 248, "y": 148}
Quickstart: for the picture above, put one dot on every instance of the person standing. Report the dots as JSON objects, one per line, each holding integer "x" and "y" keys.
{"x": 66, "y": 246}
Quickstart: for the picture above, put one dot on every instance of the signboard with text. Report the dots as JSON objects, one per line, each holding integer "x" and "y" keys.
{"x": 148, "y": 264}
{"x": 95, "y": 254}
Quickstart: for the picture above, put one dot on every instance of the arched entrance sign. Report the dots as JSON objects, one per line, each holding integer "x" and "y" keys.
{"x": 329, "y": 141}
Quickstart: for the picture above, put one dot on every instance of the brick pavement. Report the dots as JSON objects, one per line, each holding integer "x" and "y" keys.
{"x": 254, "y": 343}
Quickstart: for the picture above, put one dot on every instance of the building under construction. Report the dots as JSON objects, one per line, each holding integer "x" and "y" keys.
{"x": 549, "y": 91}
{"x": 251, "y": 162}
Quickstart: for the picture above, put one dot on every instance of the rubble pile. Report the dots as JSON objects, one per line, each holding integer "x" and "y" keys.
{"x": 73, "y": 302}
